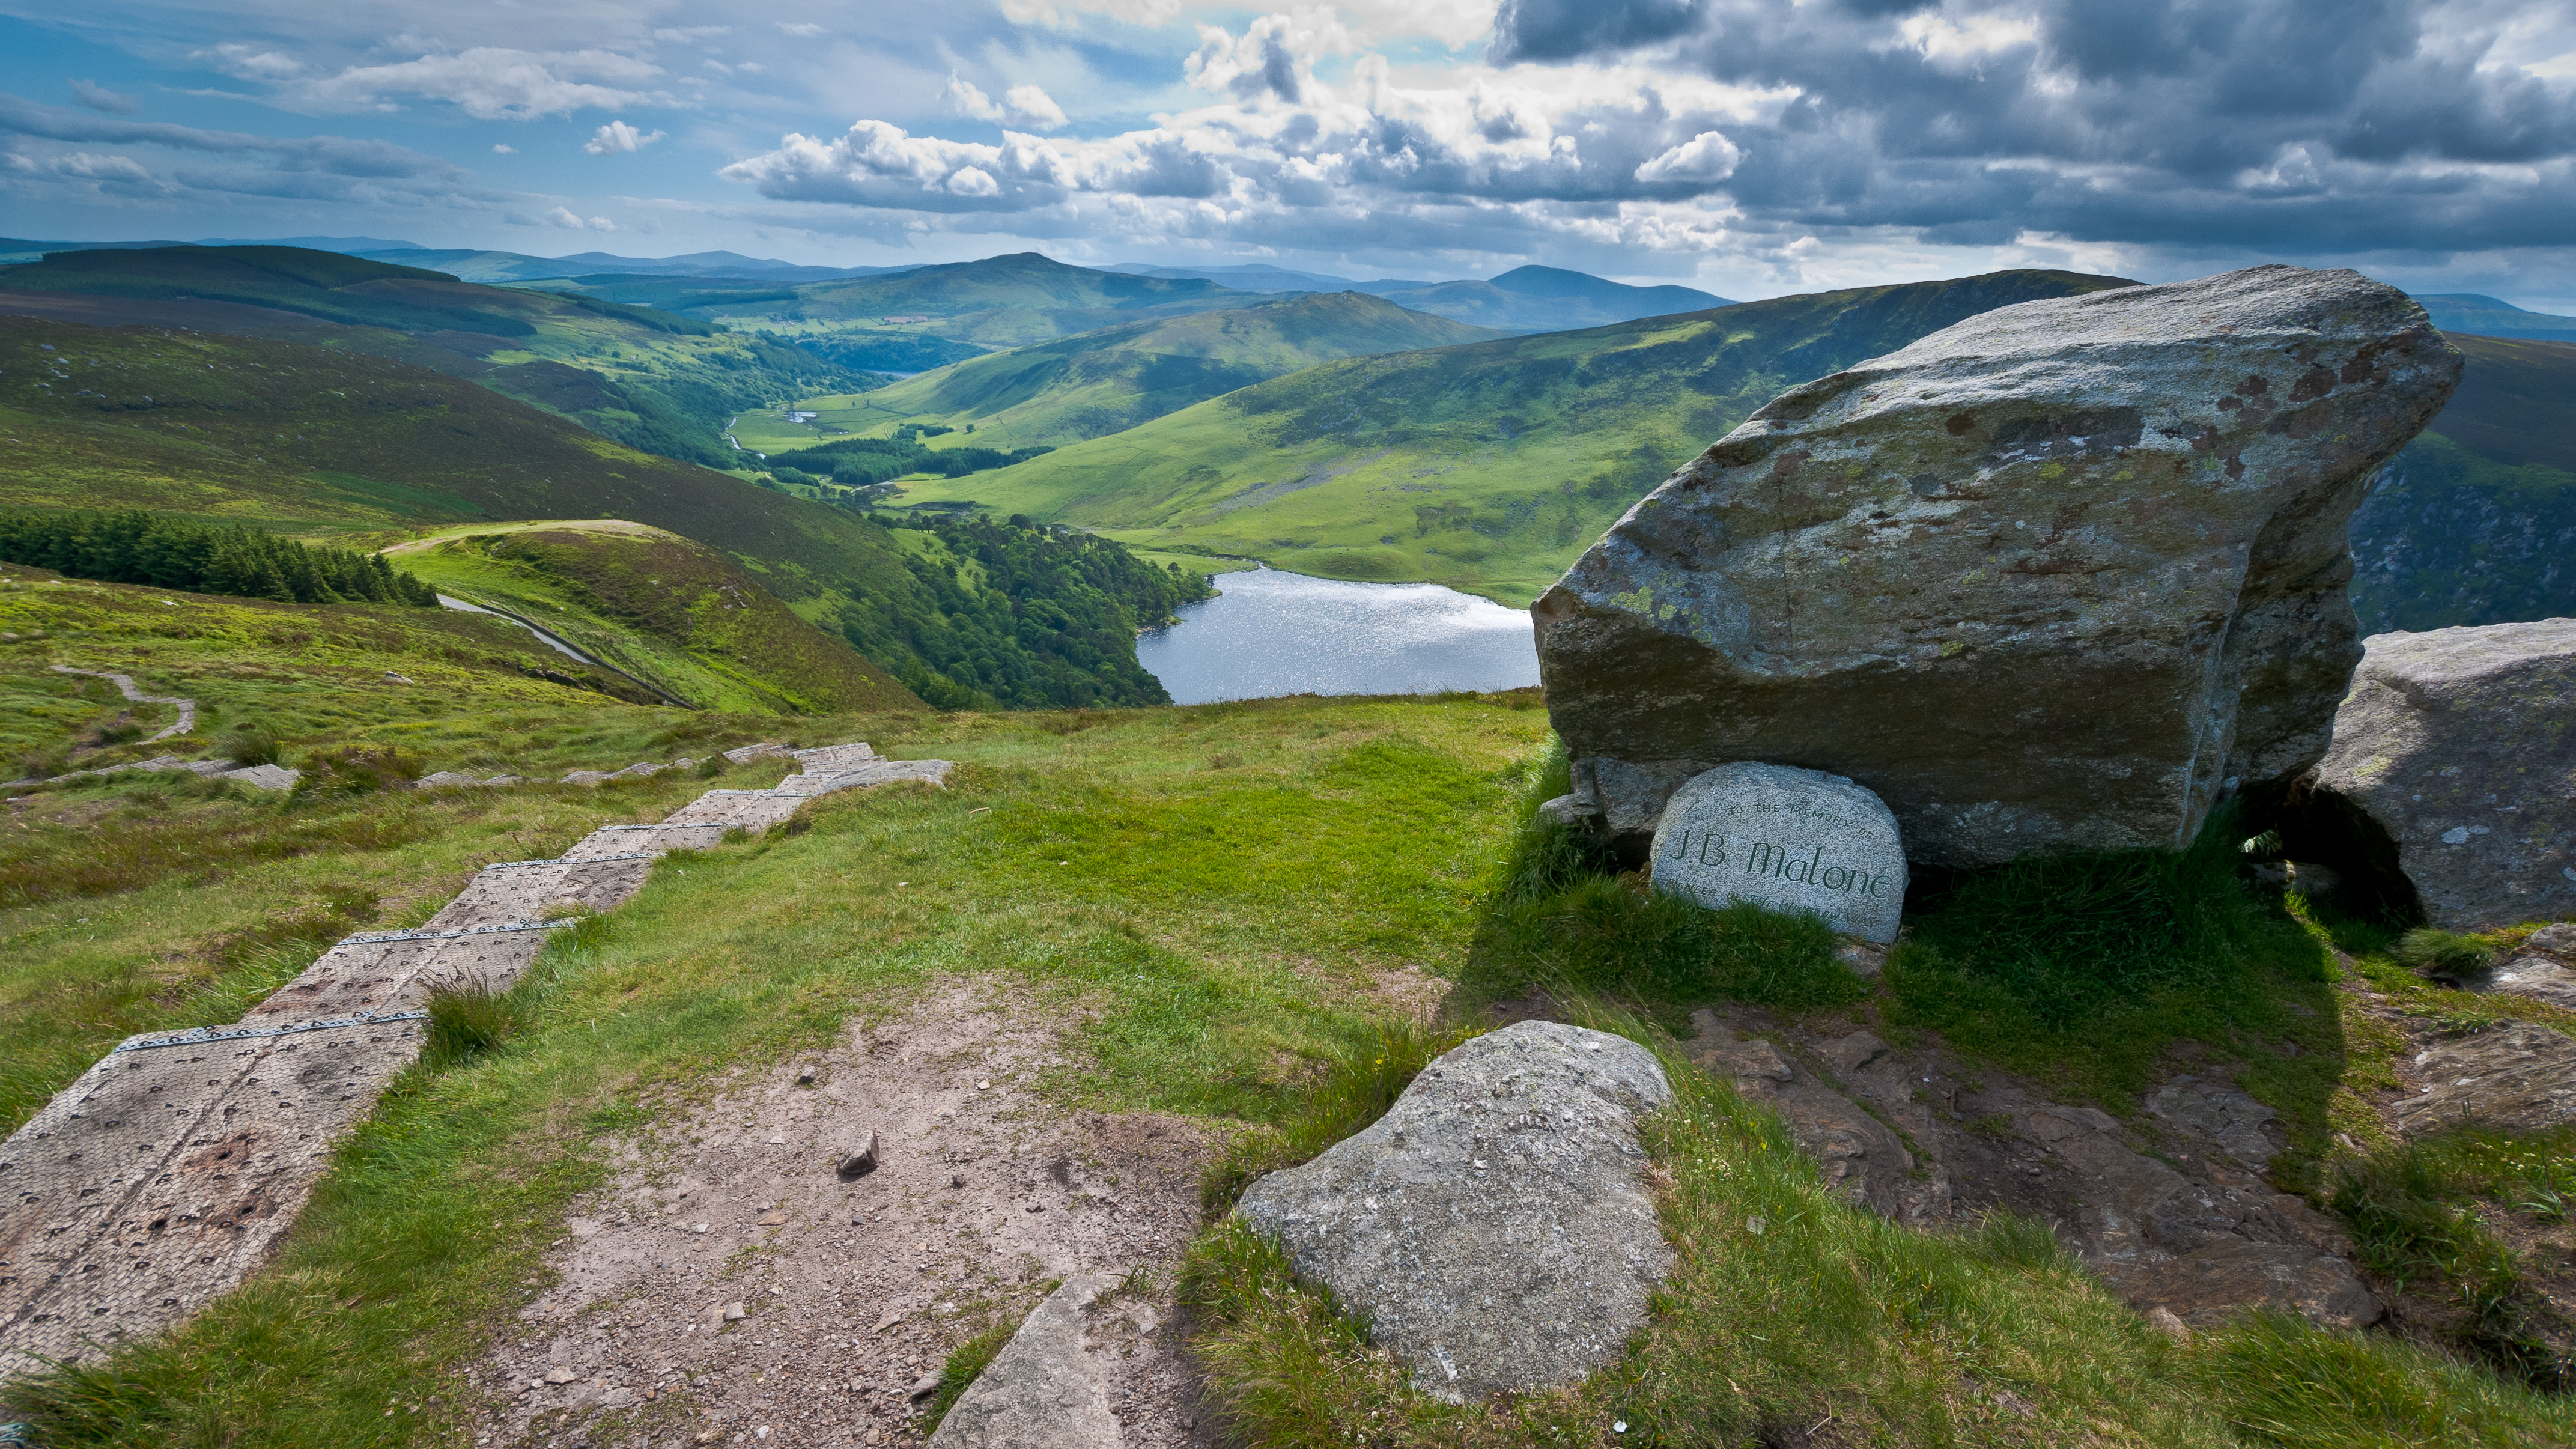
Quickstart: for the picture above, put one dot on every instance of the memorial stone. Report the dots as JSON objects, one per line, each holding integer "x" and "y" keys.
{"x": 1788, "y": 839}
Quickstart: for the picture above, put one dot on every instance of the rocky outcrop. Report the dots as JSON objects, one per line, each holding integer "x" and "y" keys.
{"x": 2049, "y": 579}
{"x": 1042, "y": 1391}
{"x": 2451, "y": 782}
{"x": 2542, "y": 968}
{"x": 1494, "y": 1227}
{"x": 2510, "y": 1078}
{"x": 2192, "y": 1229}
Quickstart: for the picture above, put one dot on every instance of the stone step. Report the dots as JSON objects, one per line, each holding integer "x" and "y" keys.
{"x": 523, "y": 892}
{"x": 161, "y": 1178}
{"x": 616, "y": 840}
{"x": 396, "y": 971}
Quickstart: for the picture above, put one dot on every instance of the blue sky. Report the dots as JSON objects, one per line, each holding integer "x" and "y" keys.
{"x": 1750, "y": 147}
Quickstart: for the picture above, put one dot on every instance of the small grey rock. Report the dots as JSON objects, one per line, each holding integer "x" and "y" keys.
{"x": 1493, "y": 1227}
{"x": 1043, "y": 1390}
{"x": 859, "y": 1159}
{"x": 2510, "y": 1079}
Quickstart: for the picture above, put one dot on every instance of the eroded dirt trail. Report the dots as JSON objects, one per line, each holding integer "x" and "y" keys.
{"x": 850, "y": 1290}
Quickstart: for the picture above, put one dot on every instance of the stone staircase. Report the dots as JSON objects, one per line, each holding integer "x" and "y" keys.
{"x": 166, "y": 1173}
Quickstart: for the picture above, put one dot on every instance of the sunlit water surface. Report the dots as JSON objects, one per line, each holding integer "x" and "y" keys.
{"x": 1272, "y": 633}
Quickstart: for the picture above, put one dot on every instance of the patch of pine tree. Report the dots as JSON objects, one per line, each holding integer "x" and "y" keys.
{"x": 174, "y": 553}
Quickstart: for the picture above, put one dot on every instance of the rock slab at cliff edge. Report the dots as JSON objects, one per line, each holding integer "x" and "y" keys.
{"x": 2454, "y": 762}
{"x": 1792, "y": 840}
{"x": 1494, "y": 1227}
{"x": 2046, "y": 580}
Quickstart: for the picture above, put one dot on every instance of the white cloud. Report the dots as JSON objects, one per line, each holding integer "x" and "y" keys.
{"x": 99, "y": 98}
{"x": 86, "y": 166}
{"x": 488, "y": 83}
{"x": 618, "y": 136}
{"x": 249, "y": 62}
{"x": 565, "y": 218}
{"x": 1707, "y": 157}
{"x": 685, "y": 34}
{"x": 1027, "y": 107}
{"x": 801, "y": 30}
{"x": 504, "y": 148}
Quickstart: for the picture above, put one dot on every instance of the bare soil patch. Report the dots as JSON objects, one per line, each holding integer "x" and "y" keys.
{"x": 731, "y": 1286}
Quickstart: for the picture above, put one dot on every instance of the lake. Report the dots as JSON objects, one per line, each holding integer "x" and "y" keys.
{"x": 1272, "y": 633}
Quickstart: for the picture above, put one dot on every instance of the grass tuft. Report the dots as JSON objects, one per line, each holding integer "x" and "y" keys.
{"x": 1354, "y": 1089}
{"x": 468, "y": 1018}
{"x": 2442, "y": 955}
{"x": 960, "y": 1372}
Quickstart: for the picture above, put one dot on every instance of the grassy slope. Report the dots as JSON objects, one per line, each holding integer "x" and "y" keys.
{"x": 675, "y": 614}
{"x": 1219, "y": 984}
{"x": 134, "y": 853}
{"x": 1486, "y": 467}
{"x": 1006, "y": 301}
{"x": 1102, "y": 382}
{"x": 654, "y": 380}
{"x": 2475, "y": 522}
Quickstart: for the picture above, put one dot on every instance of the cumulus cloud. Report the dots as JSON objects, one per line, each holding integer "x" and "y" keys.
{"x": 618, "y": 136}
{"x": 85, "y": 166}
{"x": 248, "y": 62}
{"x": 99, "y": 98}
{"x": 564, "y": 217}
{"x": 504, "y": 148}
{"x": 1707, "y": 157}
{"x": 2314, "y": 123}
{"x": 801, "y": 30}
{"x": 1027, "y": 107}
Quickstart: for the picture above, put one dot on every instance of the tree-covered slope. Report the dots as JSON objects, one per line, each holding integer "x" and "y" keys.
{"x": 676, "y": 615}
{"x": 656, "y": 381}
{"x": 1102, "y": 382}
{"x": 2475, "y": 522}
{"x": 246, "y": 430}
{"x": 1487, "y": 467}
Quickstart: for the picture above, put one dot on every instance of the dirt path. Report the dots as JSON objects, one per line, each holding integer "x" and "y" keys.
{"x": 850, "y": 1290}
{"x": 125, "y": 686}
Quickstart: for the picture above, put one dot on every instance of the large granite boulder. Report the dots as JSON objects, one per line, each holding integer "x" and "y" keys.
{"x": 1494, "y": 1227}
{"x": 2049, "y": 579}
{"x": 2452, "y": 776}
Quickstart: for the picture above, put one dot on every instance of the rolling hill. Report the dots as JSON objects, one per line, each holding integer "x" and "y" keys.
{"x": 676, "y": 615}
{"x": 322, "y": 440}
{"x": 1102, "y": 382}
{"x": 929, "y": 316}
{"x": 1487, "y": 467}
{"x": 2475, "y": 522}
{"x": 652, "y": 380}
{"x": 1543, "y": 299}
{"x": 2464, "y": 312}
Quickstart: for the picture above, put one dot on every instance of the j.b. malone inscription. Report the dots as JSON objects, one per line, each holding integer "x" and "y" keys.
{"x": 1790, "y": 839}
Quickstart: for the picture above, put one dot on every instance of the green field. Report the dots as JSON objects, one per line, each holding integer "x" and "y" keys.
{"x": 656, "y": 381}
{"x": 1103, "y": 382}
{"x": 676, "y": 615}
{"x": 366, "y": 450}
{"x": 1067, "y": 872}
{"x": 1487, "y": 467}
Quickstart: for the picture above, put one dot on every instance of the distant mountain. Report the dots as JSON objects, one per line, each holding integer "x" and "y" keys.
{"x": 2475, "y": 522}
{"x": 2489, "y": 317}
{"x": 1487, "y": 467}
{"x": 351, "y": 245}
{"x": 19, "y": 249}
{"x": 1546, "y": 299}
{"x": 1097, "y": 383}
{"x": 484, "y": 266}
{"x": 1253, "y": 277}
{"x": 656, "y": 381}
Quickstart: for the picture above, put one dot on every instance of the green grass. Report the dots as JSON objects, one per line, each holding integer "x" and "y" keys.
{"x": 678, "y": 616}
{"x": 1207, "y": 901}
{"x": 1217, "y": 932}
{"x": 1488, "y": 466}
{"x": 1097, "y": 383}
{"x": 1790, "y": 1312}
{"x": 655, "y": 381}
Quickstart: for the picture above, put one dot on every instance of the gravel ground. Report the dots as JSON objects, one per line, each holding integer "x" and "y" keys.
{"x": 730, "y": 1286}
